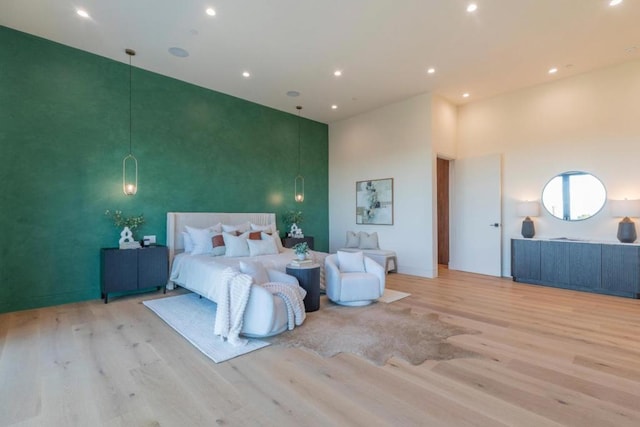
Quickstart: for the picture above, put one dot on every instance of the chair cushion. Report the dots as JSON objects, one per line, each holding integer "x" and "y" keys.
{"x": 359, "y": 286}
{"x": 351, "y": 262}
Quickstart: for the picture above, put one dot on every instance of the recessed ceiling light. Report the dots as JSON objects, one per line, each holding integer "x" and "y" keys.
{"x": 465, "y": 95}
{"x": 210, "y": 12}
{"x": 179, "y": 52}
{"x": 472, "y": 7}
{"x": 337, "y": 73}
{"x": 246, "y": 74}
{"x": 431, "y": 70}
{"x": 553, "y": 70}
{"x": 293, "y": 93}
{"x": 334, "y": 107}
{"x": 615, "y": 2}
{"x": 82, "y": 13}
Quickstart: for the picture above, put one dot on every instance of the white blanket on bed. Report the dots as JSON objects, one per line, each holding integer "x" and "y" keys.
{"x": 293, "y": 296}
{"x": 234, "y": 295}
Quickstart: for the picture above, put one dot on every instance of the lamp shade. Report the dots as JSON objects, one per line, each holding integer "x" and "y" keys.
{"x": 625, "y": 208}
{"x": 529, "y": 208}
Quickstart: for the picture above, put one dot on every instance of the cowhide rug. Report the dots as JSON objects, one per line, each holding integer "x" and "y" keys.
{"x": 376, "y": 332}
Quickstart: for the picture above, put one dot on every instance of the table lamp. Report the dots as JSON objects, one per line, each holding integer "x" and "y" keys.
{"x": 528, "y": 209}
{"x": 625, "y": 209}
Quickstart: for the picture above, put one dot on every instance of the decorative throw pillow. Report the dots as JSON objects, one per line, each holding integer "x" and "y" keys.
{"x": 353, "y": 240}
{"x": 235, "y": 245}
{"x": 240, "y": 228}
{"x": 218, "y": 244}
{"x": 368, "y": 241}
{"x": 255, "y": 235}
{"x": 255, "y": 270}
{"x": 201, "y": 238}
{"x": 276, "y": 239}
{"x": 271, "y": 228}
{"x": 351, "y": 262}
{"x": 187, "y": 242}
{"x": 262, "y": 247}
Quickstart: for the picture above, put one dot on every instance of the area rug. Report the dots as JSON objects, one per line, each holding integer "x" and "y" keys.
{"x": 193, "y": 318}
{"x": 375, "y": 332}
{"x": 390, "y": 296}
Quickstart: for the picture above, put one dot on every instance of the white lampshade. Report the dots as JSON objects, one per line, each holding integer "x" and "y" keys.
{"x": 625, "y": 208}
{"x": 529, "y": 208}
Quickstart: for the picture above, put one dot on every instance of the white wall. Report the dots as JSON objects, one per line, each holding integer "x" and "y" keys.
{"x": 390, "y": 142}
{"x": 590, "y": 122}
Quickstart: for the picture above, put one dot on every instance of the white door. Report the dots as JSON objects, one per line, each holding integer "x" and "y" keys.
{"x": 476, "y": 234}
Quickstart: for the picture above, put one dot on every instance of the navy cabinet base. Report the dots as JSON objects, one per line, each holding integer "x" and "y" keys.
{"x": 126, "y": 270}
{"x": 603, "y": 268}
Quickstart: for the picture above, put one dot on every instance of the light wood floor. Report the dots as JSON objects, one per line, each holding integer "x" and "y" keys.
{"x": 551, "y": 357}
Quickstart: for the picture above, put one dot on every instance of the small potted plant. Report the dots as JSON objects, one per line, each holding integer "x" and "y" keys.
{"x": 301, "y": 249}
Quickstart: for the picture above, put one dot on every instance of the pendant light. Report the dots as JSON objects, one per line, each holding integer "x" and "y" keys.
{"x": 130, "y": 163}
{"x": 298, "y": 185}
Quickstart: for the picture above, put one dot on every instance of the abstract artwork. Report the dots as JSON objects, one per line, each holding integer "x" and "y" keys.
{"x": 374, "y": 201}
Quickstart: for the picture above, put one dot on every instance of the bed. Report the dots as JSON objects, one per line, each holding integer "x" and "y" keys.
{"x": 265, "y": 314}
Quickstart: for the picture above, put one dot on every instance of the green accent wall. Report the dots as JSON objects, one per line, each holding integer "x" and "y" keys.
{"x": 64, "y": 130}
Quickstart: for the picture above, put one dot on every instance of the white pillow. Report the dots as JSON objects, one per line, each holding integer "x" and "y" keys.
{"x": 187, "y": 242}
{"x": 271, "y": 228}
{"x": 235, "y": 246}
{"x": 201, "y": 238}
{"x": 276, "y": 239}
{"x": 353, "y": 240}
{"x": 255, "y": 270}
{"x": 368, "y": 241}
{"x": 262, "y": 247}
{"x": 240, "y": 228}
{"x": 351, "y": 262}
{"x": 216, "y": 228}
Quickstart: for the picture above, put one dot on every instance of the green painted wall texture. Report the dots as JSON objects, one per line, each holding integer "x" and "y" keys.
{"x": 64, "y": 130}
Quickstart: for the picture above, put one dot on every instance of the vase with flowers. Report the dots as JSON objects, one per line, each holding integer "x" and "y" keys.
{"x": 128, "y": 225}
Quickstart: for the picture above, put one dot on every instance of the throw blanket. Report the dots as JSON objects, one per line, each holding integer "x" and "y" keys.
{"x": 293, "y": 296}
{"x": 234, "y": 296}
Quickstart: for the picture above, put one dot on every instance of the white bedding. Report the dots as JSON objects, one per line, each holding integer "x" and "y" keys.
{"x": 202, "y": 273}
{"x": 266, "y": 313}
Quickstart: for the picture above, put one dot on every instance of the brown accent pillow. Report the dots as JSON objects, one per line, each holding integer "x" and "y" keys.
{"x": 217, "y": 240}
{"x": 255, "y": 235}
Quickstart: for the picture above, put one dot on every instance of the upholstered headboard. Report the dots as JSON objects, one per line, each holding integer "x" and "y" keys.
{"x": 176, "y": 222}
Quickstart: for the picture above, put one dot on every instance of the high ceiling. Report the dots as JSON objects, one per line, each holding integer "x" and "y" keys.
{"x": 383, "y": 47}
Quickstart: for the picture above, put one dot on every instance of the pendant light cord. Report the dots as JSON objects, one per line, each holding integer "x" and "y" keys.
{"x": 299, "y": 115}
{"x": 130, "y": 112}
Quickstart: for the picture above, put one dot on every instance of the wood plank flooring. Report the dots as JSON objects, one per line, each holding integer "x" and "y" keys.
{"x": 550, "y": 357}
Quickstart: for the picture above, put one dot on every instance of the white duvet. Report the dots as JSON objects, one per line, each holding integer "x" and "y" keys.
{"x": 203, "y": 273}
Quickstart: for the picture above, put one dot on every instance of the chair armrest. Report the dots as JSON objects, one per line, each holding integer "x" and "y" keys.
{"x": 373, "y": 267}
{"x": 332, "y": 278}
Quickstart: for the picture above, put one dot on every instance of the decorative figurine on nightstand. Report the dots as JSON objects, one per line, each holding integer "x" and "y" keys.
{"x": 126, "y": 240}
{"x": 296, "y": 232}
{"x": 129, "y": 223}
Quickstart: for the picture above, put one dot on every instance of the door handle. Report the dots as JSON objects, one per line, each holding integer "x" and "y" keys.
{"x": 495, "y": 224}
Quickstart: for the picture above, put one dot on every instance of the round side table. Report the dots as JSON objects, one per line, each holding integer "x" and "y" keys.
{"x": 308, "y": 276}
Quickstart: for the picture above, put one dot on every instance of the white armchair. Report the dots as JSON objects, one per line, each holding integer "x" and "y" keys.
{"x": 359, "y": 281}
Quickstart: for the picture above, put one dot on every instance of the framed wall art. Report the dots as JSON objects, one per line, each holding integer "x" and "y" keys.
{"x": 374, "y": 202}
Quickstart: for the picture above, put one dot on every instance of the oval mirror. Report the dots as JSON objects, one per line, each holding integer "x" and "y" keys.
{"x": 574, "y": 196}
